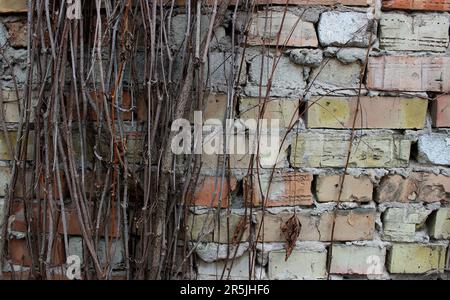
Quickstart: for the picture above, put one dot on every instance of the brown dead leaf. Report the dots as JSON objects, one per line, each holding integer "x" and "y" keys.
{"x": 291, "y": 230}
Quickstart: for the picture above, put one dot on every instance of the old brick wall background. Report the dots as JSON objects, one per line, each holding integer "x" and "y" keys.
{"x": 393, "y": 217}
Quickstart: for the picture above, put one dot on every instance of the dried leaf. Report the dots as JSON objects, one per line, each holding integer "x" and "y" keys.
{"x": 291, "y": 230}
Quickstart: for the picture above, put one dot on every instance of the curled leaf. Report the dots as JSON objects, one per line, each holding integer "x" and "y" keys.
{"x": 291, "y": 230}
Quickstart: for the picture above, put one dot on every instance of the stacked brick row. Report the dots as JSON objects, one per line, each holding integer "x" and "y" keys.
{"x": 392, "y": 220}
{"x": 393, "y": 217}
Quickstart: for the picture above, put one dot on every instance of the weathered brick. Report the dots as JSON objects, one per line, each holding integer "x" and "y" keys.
{"x": 408, "y": 73}
{"x": 197, "y": 225}
{"x": 209, "y": 191}
{"x": 284, "y": 110}
{"x": 293, "y": 2}
{"x": 11, "y": 6}
{"x": 355, "y": 188}
{"x": 112, "y": 252}
{"x": 17, "y": 31}
{"x": 418, "y": 32}
{"x": 237, "y": 270}
{"x": 441, "y": 111}
{"x": 315, "y": 149}
{"x": 418, "y": 186}
{"x": 438, "y": 5}
{"x": 373, "y": 112}
{"x": 12, "y": 137}
{"x": 434, "y": 148}
{"x": 300, "y": 265}
{"x": 350, "y": 225}
{"x": 416, "y": 258}
{"x": 36, "y": 213}
{"x": 241, "y": 145}
{"x": 287, "y": 77}
{"x": 5, "y": 177}
{"x": 26, "y": 187}
{"x": 400, "y": 224}
{"x": 215, "y": 107}
{"x": 334, "y": 77}
{"x": 11, "y": 111}
{"x": 440, "y": 224}
{"x": 353, "y": 259}
{"x": 284, "y": 189}
{"x": 20, "y": 255}
{"x": 272, "y": 28}
{"x": 344, "y": 29}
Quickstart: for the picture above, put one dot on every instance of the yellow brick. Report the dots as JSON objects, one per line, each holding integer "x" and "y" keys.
{"x": 8, "y": 6}
{"x": 316, "y": 149}
{"x": 374, "y": 112}
{"x": 416, "y": 258}
{"x": 12, "y": 137}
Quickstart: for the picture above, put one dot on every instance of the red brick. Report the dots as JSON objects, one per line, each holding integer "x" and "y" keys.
{"x": 19, "y": 254}
{"x": 407, "y": 73}
{"x": 11, "y": 6}
{"x": 426, "y": 187}
{"x": 442, "y": 5}
{"x": 286, "y": 189}
{"x": 441, "y": 111}
{"x": 206, "y": 186}
{"x": 73, "y": 225}
{"x": 350, "y": 225}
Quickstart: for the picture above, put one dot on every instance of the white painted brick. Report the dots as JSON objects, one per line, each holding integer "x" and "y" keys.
{"x": 416, "y": 32}
{"x": 353, "y": 259}
{"x": 301, "y": 264}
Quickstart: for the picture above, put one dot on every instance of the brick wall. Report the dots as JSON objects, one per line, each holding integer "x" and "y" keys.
{"x": 390, "y": 219}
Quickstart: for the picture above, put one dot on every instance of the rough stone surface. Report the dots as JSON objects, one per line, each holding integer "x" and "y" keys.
{"x": 440, "y": 224}
{"x": 300, "y": 265}
{"x": 285, "y": 189}
{"x": 266, "y": 26}
{"x": 417, "y": 32}
{"x": 408, "y": 73}
{"x": 373, "y": 112}
{"x": 306, "y": 57}
{"x": 400, "y": 224}
{"x": 418, "y": 186}
{"x": 351, "y": 55}
{"x": 358, "y": 189}
{"x": 344, "y": 29}
{"x": 315, "y": 149}
{"x": 335, "y": 78}
{"x": 287, "y": 78}
{"x": 353, "y": 259}
{"x": 210, "y": 252}
{"x": 416, "y": 258}
{"x": 441, "y": 111}
{"x": 434, "y": 148}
